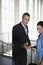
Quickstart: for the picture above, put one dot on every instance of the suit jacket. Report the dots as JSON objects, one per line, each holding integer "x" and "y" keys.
{"x": 19, "y": 37}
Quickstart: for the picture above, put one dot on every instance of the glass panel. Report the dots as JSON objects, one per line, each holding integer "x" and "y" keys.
{"x": 7, "y": 15}
{"x": 3, "y": 13}
{"x": 10, "y": 5}
{"x": 3, "y": 3}
{"x": 22, "y": 8}
{"x": 7, "y": 2}
{"x": 3, "y": 25}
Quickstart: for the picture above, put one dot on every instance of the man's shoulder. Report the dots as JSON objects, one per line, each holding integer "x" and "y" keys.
{"x": 16, "y": 26}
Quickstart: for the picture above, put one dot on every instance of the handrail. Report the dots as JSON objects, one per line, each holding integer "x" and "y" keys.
{"x": 9, "y": 45}
{"x": 2, "y": 45}
{"x": 5, "y": 42}
{"x": 33, "y": 40}
{"x": 30, "y": 40}
{"x": 5, "y": 32}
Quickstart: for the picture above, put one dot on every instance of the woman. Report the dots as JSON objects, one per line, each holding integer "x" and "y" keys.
{"x": 40, "y": 43}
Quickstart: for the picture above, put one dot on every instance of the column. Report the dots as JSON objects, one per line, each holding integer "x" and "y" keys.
{"x": 0, "y": 18}
{"x": 16, "y": 11}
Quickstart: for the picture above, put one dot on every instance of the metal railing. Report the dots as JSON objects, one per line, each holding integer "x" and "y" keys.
{"x": 5, "y": 48}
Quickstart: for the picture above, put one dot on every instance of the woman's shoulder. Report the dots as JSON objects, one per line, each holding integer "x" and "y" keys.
{"x": 41, "y": 36}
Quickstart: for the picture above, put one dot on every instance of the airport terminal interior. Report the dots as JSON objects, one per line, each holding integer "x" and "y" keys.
{"x": 11, "y": 12}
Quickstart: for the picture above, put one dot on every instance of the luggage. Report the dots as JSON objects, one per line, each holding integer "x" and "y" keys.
{"x": 32, "y": 64}
{"x": 31, "y": 59}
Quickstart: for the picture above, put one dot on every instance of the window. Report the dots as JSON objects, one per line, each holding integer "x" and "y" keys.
{"x": 7, "y": 15}
{"x": 34, "y": 8}
{"x": 22, "y": 8}
{"x": 7, "y": 18}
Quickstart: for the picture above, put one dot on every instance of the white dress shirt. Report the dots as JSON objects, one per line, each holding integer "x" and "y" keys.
{"x": 24, "y": 28}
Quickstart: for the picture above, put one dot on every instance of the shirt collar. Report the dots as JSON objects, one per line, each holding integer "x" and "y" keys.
{"x": 23, "y": 25}
{"x": 40, "y": 35}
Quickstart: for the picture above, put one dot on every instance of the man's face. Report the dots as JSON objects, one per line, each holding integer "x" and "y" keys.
{"x": 39, "y": 29}
{"x": 25, "y": 19}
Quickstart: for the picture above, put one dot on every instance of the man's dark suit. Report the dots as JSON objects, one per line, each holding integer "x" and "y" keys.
{"x": 19, "y": 37}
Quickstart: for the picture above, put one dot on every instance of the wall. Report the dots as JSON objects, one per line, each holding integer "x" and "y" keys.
{"x": 0, "y": 18}
{"x": 16, "y": 11}
{"x": 0, "y": 21}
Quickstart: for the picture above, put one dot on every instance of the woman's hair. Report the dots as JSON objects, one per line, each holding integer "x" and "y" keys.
{"x": 40, "y": 23}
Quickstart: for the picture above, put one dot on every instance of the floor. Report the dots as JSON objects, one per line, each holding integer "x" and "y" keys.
{"x": 5, "y": 61}
{"x": 8, "y": 61}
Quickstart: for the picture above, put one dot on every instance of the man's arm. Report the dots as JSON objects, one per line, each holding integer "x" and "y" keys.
{"x": 28, "y": 40}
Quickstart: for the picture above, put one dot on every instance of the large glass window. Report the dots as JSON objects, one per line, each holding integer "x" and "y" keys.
{"x": 7, "y": 17}
{"x": 35, "y": 16}
{"x": 34, "y": 8}
{"x": 22, "y": 8}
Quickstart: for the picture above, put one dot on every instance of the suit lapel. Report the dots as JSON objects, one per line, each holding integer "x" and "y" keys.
{"x": 23, "y": 29}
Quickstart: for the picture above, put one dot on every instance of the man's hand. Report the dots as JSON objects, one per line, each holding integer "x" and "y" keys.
{"x": 26, "y": 46}
{"x": 29, "y": 46}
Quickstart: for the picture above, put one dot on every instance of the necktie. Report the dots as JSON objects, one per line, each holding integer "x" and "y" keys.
{"x": 27, "y": 29}
{"x": 27, "y": 35}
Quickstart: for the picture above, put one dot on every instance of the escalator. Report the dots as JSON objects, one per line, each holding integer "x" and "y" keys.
{"x": 4, "y": 49}
{"x": 6, "y": 54}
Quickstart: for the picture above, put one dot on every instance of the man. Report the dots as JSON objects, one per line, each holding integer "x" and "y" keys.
{"x": 21, "y": 40}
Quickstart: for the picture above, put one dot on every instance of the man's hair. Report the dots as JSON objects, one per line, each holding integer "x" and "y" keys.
{"x": 40, "y": 23}
{"x": 26, "y": 14}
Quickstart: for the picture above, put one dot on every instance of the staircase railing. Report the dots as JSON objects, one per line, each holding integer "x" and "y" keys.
{"x": 5, "y": 48}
